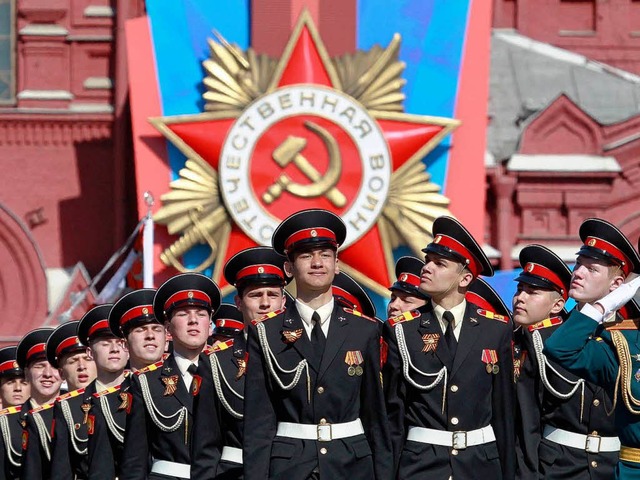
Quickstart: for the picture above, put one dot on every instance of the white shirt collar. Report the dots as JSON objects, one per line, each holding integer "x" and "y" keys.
{"x": 306, "y": 312}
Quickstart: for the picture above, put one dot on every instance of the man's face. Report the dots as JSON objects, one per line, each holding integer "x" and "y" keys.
{"x": 146, "y": 343}
{"x": 403, "y": 302}
{"x": 190, "y": 327}
{"x": 259, "y": 300}
{"x": 78, "y": 369}
{"x": 592, "y": 279}
{"x": 440, "y": 275}
{"x": 44, "y": 379}
{"x": 313, "y": 270}
{"x": 109, "y": 354}
{"x": 533, "y": 304}
{"x": 14, "y": 391}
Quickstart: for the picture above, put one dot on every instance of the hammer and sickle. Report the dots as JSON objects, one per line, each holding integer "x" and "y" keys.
{"x": 289, "y": 152}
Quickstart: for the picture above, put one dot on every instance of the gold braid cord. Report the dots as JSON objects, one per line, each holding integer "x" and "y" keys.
{"x": 624, "y": 373}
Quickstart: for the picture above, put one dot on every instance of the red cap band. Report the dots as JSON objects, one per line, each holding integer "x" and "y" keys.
{"x": 482, "y": 302}
{"x": 308, "y": 233}
{"x": 100, "y": 325}
{"x": 229, "y": 323}
{"x": 547, "y": 274}
{"x": 8, "y": 365}
{"x": 67, "y": 343}
{"x": 451, "y": 243}
{"x": 344, "y": 294}
{"x": 185, "y": 296}
{"x": 409, "y": 278}
{"x": 136, "y": 312}
{"x": 263, "y": 269}
{"x": 611, "y": 250}
{"x": 35, "y": 350}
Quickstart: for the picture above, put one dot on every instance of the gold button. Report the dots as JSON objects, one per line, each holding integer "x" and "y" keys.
{"x": 323, "y": 421}
{"x": 595, "y": 432}
{"x": 320, "y": 390}
{"x": 596, "y": 402}
{"x": 454, "y": 452}
{"x": 454, "y": 388}
{"x": 594, "y": 464}
{"x": 323, "y": 451}
{"x": 455, "y": 420}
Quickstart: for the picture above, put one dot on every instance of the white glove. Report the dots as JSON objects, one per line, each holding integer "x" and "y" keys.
{"x": 617, "y": 298}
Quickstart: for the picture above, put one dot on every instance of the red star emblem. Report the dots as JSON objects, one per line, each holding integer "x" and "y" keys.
{"x": 299, "y": 148}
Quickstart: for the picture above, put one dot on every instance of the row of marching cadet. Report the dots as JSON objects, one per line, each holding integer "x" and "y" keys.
{"x": 453, "y": 384}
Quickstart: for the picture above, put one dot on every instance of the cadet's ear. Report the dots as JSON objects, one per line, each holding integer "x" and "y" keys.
{"x": 466, "y": 278}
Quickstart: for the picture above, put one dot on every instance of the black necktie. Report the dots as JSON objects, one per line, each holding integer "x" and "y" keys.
{"x": 452, "y": 343}
{"x": 318, "y": 339}
{"x": 192, "y": 369}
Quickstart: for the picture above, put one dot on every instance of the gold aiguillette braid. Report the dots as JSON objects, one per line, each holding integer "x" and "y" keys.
{"x": 624, "y": 373}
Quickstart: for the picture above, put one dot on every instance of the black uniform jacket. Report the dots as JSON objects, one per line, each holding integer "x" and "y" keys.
{"x": 106, "y": 437}
{"x": 10, "y": 442}
{"x": 144, "y": 439}
{"x": 473, "y": 398}
{"x": 330, "y": 394}
{"x": 582, "y": 413}
{"x": 227, "y": 401}
{"x": 36, "y": 441}
{"x": 69, "y": 459}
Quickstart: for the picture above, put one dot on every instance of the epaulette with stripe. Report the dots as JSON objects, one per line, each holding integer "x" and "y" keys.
{"x": 69, "y": 395}
{"x": 546, "y": 323}
{"x": 359, "y": 314}
{"x": 150, "y": 368}
{"x": 219, "y": 346}
{"x": 107, "y": 391}
{"x": 404, "y": 317}
{"x": 628, "y": 324}
{"x": 41, "y": 408}
{"x": 10, "y": 410}
{"x": 267, "y": 316}
{"x": 492, "y": 316}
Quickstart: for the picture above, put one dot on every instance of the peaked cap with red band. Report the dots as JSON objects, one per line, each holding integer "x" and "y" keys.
{"x": 62, "y": 341}
{"x": 228, "y": 320}
{"x": 95, "y": 324}
{"x": 544, "y": 269}
{"x": 483, "y": 295}
{"x": 603, "y": 241}
{"x": 308, "y": 229}
{"x": 408, "y": 276}
{"x": 132, "y": 310}
{"x": 186, "y": 290}
{"x": 256, "y": 266}
{"x": 348, "y": 293}
{"x": 452, "y": 240}
{"x": 9, "y": 367}
{"x": 33, "y": 346}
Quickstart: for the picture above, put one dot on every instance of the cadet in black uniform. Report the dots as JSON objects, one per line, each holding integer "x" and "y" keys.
{"x": 69, "y": 458}
{"x": 448, "y": 376}
{"x": 405, "y": 291}
{"x": 258, "y": 275}
{"x": 558, "y": 411}
{"x": 160, "y": 421}
{"x": 131, "y": 318}
{"x": 14, "y": 391}
{"x": 585, "y": 348}
{"x": 110, "y": 356}
{"x": 314, "y": 406}
{"x": 37, "y": 413}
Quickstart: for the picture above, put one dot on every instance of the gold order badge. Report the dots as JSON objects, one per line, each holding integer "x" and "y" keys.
{"x": 363, "y": 90}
